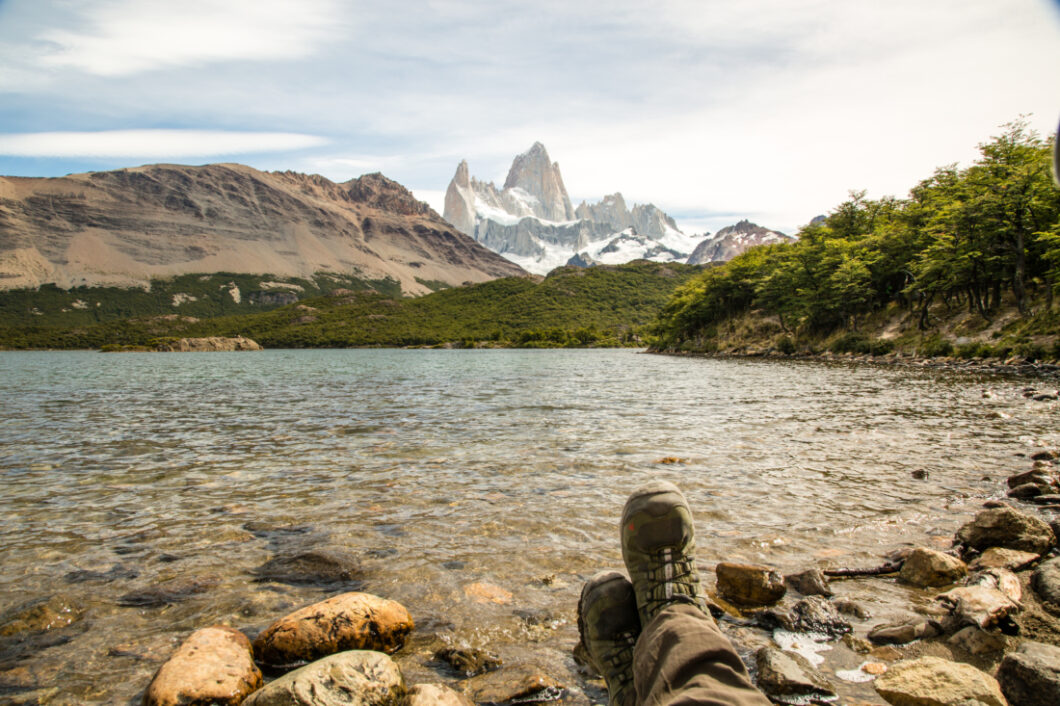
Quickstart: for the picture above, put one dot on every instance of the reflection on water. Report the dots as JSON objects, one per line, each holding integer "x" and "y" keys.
{"x": 441, "y": 469}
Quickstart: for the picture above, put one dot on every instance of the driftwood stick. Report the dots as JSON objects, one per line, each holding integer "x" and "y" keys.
{"x": 891, "y": 567}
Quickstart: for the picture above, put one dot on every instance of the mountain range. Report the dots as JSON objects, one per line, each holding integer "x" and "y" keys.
{"x": 125, "y": 227}
{"x": 531, "y": 221}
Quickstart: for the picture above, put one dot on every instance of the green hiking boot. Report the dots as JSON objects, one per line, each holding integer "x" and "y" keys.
{"x": 608, "y": 625}
{"x": 658, "y": 546}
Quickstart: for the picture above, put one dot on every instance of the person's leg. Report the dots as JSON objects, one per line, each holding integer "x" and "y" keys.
{"x": 609, "y": 627}
{"x": 681, "y": 657}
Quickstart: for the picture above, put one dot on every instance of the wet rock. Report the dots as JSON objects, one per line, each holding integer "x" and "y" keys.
{"x": 38, "y": 616}
{"x": 349, "y": 621}
{"x": 849, "y": 607}
{"x": 789, "y": 678}
{"x": 1030, "y": 676}
{"x": 1044, "y": 455}
{"x": 811, "y": 582}
{"x": 352, "y": 678}
{"x": 977, "y": 605}
{"x": 931, "y": 681}
{"x": 212, "y": 666}
{"x": 977, "y": 641}
{"x": 1038, "y": 476}
{"x": 1046, "y": 581}
{"x": 1007, "y": 528}
{"x": 1049, "y": 499}
{"x": 315, "y": 567}
{"x": 1029, "y": 490}
{"x": 168, "y": 592}
{"x": 436, "y": 695}
{"x": 902, "y": 634}
{"x": 920, "y": 474}
{"x": 811, "y": 614}
{"x": 999, "y": 558}
{"x": 927, "y": 567}
{"x": 1045, "y": 397}
{"x": 749, "y": 584}
{"x": 469, "y": 661}
{"x": 522, "y": 684}
{"x": 487, "y": 593}
{"x": 114, "y": 573}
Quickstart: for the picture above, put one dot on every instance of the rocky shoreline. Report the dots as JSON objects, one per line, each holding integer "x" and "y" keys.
{"x": 985, "y": 366}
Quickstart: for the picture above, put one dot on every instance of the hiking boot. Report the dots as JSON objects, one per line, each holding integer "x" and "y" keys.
{"x": 658, "y": 546}
{"x": 608, "y": 625}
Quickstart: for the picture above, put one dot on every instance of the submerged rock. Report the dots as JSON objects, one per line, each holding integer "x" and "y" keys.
{"x": 927, "y": 567}
{"x": 1029, "y": 490}
{"x": 789, "y": 678}
{"x": 353, "y": 678}
{"x": 522, "y": 684}
{"x": 436, "y": 695}
{"x": 901, "y": 634}
{"x": 212, "y": 666}
{"x": 39, "y": 616}
{"x": 469, "y": 661}
{"x": 1007, "y": 528}
{"x": 1030, "y": 676}
{"x": 811, "y": 582}
{"x": 168, "y": 592}
{"x": 931, "y": 681}
{"x": 349, "y": 621}
{"x": 749, "y": 584}
{"x": 322, "y": 566}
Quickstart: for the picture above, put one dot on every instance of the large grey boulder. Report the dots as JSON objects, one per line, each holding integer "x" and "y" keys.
{"x": 353, "y": 678}
{"x": 1030, "y": 676}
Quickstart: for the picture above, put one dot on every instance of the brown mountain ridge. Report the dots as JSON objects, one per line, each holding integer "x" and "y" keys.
{"x": 125, "y": 227}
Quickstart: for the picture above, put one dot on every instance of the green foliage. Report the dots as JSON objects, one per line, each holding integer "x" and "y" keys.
{"x": 572, "y": 307}
{"x": 965, "y": 238}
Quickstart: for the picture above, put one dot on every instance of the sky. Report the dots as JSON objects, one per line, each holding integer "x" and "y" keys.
{"x": 772, "y": 110}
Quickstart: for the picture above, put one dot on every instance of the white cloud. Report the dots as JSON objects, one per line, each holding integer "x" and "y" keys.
{"x": 122, "y": 37}
{"x": 151, "y": 143}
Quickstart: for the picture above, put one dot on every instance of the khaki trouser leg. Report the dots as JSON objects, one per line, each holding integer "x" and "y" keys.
{"x": 681, "y": 658}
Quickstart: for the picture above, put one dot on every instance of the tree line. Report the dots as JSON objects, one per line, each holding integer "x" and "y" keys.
{"x": 980, "y": 237}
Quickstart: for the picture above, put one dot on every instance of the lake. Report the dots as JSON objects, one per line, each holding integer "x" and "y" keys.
{"x": 479, "y": 488}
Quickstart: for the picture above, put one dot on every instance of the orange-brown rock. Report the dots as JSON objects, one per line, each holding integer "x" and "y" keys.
{"x": 213, "y": 665}
{"x": 349, "y": 621}
{"x": 750, "y": 584}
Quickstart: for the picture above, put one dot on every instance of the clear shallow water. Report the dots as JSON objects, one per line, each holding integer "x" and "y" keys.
{"x": 442, "y": 469}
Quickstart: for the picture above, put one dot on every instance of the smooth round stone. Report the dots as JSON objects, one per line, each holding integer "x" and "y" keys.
{"x": 213, "y": 665}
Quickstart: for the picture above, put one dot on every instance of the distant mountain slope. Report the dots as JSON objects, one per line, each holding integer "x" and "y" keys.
{"x": 734, "y": 240}
{"x": 600, "y": 306}
{"x": 531, "y": 222}
{"x": 125, "y": 227}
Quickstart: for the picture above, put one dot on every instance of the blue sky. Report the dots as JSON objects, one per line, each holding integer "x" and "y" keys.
{"x": 767, "y": 109}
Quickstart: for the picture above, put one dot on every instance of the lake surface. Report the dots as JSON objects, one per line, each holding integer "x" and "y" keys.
{"x": 455, "y": 477}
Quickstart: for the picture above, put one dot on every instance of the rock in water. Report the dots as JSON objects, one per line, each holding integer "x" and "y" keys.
{"x": 811, "y": 582}
{"x": 885, "y": 634}
{"x": 1030, "y": 676}
{"x": 212, "y": 666}
{"x": 469, "y": 661}
{"x": 521, "y": 684}
{"x": 750, "y": 584}
{"x": 314, "y": 567}
{"x": 1046, "y": 581}
{"x": 436, "y": 695}
{"x": 811, "y": 614}
{"x": 783, "y": 675}
{"x": 1007, "y": 528}
{"x": 349, "y": 621}
{"x": 168, "y": 592}
{"x": 353, "y": 678}
{"x": 927, "y": 567}
{"x": 931, "y": 681}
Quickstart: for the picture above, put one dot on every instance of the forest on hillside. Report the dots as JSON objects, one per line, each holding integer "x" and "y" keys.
{"x": 981, "y": 239}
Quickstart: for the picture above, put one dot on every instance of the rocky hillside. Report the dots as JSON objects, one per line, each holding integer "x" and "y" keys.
{"x": 531, "y": 221}
{"x": 125, "y": 227}
{"x": 734, "y": 240}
